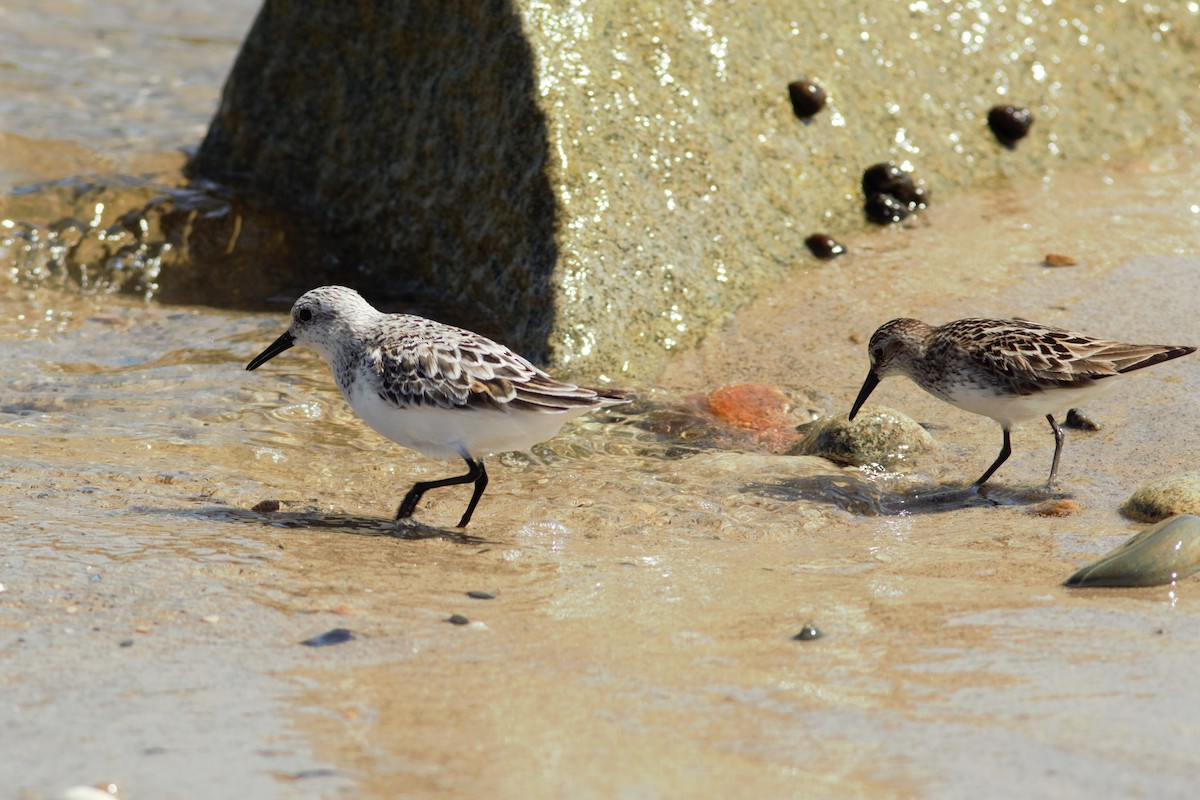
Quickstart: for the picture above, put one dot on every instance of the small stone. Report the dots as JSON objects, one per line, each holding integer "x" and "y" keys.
{"x": 807, "y": 96}
{"x": 1055, "y": 507}
{"x": 824, "y": 246}
{"x": 1009, "y": 123}
{"x": 1163, "y": 553}
{"x": 476, "y": 595}
{"x": 1080, "y": 420}
{"x": 808, "y": 633}
{"x": 331, "y": 637}
{"x": 1059, "y": 260}
{"x": 126, "y": 643}
{"x": 211, "y": 619}
{"x": 1165, "y": 497}
{"x": 265, "y": 507}
{"x": 457, "y": 619}
{"x": 879, "y": 435}
{"x": 752, "y": 406}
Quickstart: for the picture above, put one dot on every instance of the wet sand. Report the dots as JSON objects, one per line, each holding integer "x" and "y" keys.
{"x": 646, "y": 589}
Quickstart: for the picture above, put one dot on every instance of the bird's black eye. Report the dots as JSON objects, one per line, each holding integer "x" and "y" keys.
{"x": 877, "y": 353}
{"x": 304, "y": 314}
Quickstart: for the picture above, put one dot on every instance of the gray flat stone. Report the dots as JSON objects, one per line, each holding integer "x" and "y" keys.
{"x": 1164, "y": 553}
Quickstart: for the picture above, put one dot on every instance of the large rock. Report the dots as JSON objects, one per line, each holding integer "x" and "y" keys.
{"x": 608, "y": 180}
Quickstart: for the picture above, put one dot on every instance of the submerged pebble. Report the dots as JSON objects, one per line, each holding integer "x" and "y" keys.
{"x": 879, "y": 435}
{"x": 753, "y": 406}
{"x": 1009, "y": 123}
{"x": 1163, "y": 553}
{"x": 457, "y": 619}
{"x": 477, "y": 595}
{"x": 331, "y": 637}
{"x": 822, "y": 245}
{"x": 808, "y": 97}
{"x": 265, "y": 507}
{"x": 1165, "y": 497}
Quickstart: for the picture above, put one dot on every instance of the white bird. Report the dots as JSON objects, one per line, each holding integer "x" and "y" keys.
{"x": 442, "y": 391}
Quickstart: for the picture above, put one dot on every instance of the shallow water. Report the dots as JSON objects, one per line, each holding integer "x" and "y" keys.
{"x": 649, "y": 571}
{"x": 128, "y": 79}
{"x": 649, "y": 567}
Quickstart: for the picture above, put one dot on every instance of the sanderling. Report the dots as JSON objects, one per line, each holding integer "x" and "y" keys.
{"x": 1009, "y": 370}
{"x": 443, "y": 391}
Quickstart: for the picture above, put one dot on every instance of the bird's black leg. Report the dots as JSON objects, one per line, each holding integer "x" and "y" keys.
{"x": 475, "y": 474}
{"x": 481, "y": 481}
{"x": 1058, "y": 445}
{"x": 1005, "y": 452}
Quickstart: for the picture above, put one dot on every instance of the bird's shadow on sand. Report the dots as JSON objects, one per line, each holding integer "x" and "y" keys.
{"x": 871, "y": 498}
{"x": 319, "y": 521}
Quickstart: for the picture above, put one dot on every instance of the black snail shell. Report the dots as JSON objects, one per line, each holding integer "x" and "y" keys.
{"x": 807, "y": 97}
{"x": 884, "y": 209}
{"x": 1009, "y": 123}
{"x": 822, "y": 245}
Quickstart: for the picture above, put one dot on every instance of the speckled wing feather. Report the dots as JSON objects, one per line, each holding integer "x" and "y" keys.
{"x": 1032, "y": 357}
{"x": 430, "y": 364}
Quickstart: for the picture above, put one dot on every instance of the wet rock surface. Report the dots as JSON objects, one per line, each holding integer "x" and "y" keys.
{"x": 878, "y": 435}
{"x": 1161, "y": 554}
{"x": 1165, "y": 497}
{"x": 492, "y": 170}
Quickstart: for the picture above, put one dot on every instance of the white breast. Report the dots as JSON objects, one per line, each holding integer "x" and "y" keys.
{"x": 1009, "y": 409}
{"x": 455, "y": 432}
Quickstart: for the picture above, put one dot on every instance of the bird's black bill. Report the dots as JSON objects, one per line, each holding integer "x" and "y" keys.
{"x": 278, "y": 346}
{"x": 868, "y": 386}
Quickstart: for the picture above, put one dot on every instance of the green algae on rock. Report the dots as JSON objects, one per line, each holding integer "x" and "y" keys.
{"x": 1164, "y": 553}
{"x": 1165, "y": 497}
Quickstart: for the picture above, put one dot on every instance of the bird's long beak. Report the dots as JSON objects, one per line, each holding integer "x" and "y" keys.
{"x": 278, "y": 346}
{"x": 868, "y": 386}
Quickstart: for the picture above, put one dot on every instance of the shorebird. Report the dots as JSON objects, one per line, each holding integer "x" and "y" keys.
{"x": 1009, "y": 370}
{"x": 442, "y": 391}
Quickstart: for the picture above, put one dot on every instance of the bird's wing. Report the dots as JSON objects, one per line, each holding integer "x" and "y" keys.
{"x": 1033, "y": 356}
{"x": 431, "y": 364}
